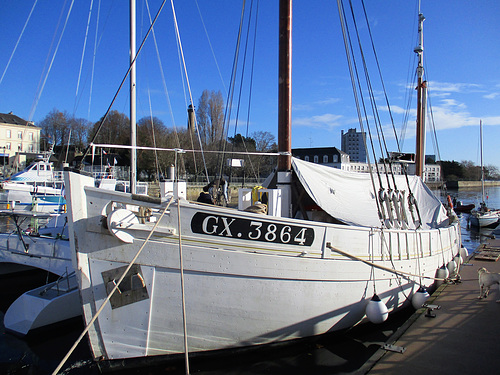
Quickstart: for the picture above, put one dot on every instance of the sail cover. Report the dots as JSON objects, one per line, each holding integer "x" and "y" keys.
{"x": 350, "y": 197}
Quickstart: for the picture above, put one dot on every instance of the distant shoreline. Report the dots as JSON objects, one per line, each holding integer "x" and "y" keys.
{"x": 470, "y": 184}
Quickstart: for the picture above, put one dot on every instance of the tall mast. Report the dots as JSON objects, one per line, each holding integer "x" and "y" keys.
{"x": 133, "y": 137}
{"x": 285, "y": 87}
{"x": 421, "y": 86}
{"x": 482, "y": 168}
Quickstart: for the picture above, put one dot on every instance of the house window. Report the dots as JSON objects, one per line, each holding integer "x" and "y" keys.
{"x": 316, "y": 158}
{"x": 306, "y": 158}
{"x": 20, "y": 147}
{"x": 7, "y": 145}
{"x": 30, "y": 148}
{"x": 325, "y": 159}
{"x": 30, "y": 136}
{"x": 8, "y": 134}
{"x": 19, "y": 135}
{"x": 335, "y": 158}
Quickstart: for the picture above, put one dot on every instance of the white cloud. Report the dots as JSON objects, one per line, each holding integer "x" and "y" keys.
{"x": 325, "y": 121}
{"x": 302, "y": 107}
{"x": 493, "y": 95}
{"x": 452, "y": 87}
{"x": 328, "y": 101}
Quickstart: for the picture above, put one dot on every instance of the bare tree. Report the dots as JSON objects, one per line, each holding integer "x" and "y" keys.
{"x": 56, "y": 127}
{"x": 264, "y": 142}
{"x": 210, "y": 117}
{"x": 115, "y": 130}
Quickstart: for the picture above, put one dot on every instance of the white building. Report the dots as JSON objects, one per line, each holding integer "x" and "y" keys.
{"x": 18, "y": 137}
{"x": 336, "y": 158}
{"x": 353, "y": 144}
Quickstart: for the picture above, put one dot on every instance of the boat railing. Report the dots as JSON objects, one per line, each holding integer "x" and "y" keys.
{"x": 61, "y": 285}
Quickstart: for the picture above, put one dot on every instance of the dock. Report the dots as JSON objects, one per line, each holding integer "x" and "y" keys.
{"x": 459, "y": 334}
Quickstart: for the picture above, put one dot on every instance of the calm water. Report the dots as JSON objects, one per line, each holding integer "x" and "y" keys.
{"x": 334, "y": 354}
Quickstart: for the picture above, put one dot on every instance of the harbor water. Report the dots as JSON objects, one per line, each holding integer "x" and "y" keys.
{"x": 339, "y": 353}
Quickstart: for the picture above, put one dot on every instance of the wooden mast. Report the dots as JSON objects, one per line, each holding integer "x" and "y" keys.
{"x": 421, "y": 86}
{"x": 285, "y": 87}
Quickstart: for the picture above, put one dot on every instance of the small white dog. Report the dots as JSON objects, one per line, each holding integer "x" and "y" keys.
{"x": 486, "y": 281}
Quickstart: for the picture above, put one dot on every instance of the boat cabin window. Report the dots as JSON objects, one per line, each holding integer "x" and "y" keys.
{"x": 48, "y": 167}
{"x": 42, "y": 167}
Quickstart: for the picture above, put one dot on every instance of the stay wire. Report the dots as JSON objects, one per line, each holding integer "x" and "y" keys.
{"x": 349, "y": 51}
{"x": 99, "y": 127}
{"x": 179, "y": 44}
{"x": 229, "y": 100}
{"x": 242, "y": 78}
{"x": 18, "y": 40}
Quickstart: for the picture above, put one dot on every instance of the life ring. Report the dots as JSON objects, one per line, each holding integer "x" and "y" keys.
{"x": 450, "y": 203}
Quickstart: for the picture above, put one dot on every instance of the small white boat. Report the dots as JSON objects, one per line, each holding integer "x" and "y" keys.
{"x": 40, "y": 307}
{"x": 484, "y": 217}
{"x": 37, "y": 188}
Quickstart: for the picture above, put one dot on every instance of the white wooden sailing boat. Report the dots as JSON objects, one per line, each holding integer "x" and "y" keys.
{"x": 484, "y": 217}
{"x": 198, "y": 278}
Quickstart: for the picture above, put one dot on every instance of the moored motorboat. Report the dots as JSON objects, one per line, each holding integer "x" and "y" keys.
{"x": 459, "y": 207}
{"x": 36, "y": 188}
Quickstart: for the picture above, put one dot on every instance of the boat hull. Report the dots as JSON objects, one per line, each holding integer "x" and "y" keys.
{"x": 279, "y": 280}
{"x": 488, "y": 219}
{"x": 40, "y": 307}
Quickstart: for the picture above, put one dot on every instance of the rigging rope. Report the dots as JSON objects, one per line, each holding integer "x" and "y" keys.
{"x": 162, "y": 73}
{"x": 91, "y": 143}
{"x": 93, "y": 57}
{"x": 229, "y": 100}
{"x": 187, "y": 80}
{"x": 115, "y": 288}
{"x": 83, "y": 56}
{"x": 18, "y": 40}
{"x": 42, "y": 84}
{"x": 240, "y": 92}
{"x": 371, "y": 264}
{"x": 348, "y": 47}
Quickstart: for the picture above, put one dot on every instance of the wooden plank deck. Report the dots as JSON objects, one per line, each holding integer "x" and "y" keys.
{"x": 462, "y": 338}
{"x": 489, "y": 251}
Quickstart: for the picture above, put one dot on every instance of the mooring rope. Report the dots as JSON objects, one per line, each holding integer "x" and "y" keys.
{"x": 372, "y": 264}
{"x": 113, "y": 291}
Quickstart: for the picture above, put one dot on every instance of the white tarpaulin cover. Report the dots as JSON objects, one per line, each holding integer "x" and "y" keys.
{"x": 350, "y": 198}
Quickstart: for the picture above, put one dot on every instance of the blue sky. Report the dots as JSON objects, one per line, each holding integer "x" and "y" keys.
{"x": 462, "y": 62}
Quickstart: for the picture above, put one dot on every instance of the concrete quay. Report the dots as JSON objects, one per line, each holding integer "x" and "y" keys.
{"x": 462, "y": 338}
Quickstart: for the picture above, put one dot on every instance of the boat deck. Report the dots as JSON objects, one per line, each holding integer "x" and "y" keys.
{"x": 463, "y": 336}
